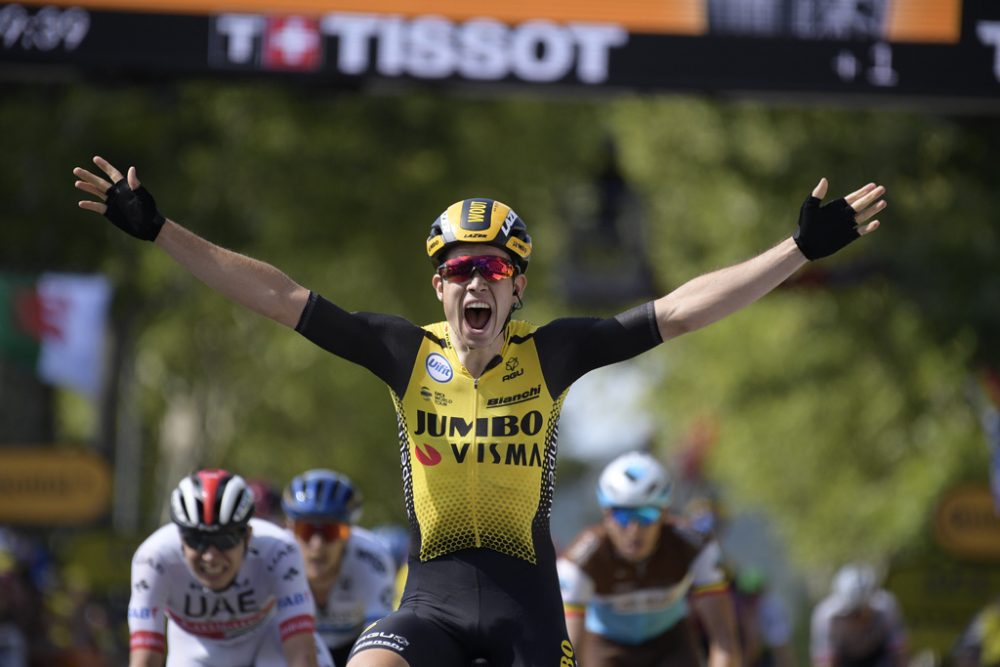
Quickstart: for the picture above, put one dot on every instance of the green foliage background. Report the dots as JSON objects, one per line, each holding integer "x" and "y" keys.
{"x": 842, "y": 398}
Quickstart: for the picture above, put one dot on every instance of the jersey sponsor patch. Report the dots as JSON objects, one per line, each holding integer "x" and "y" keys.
{"x": 225, "y": 628}
{"x": 297, "y": 625}
{"x": 439, "y": 368}
{"x": 153, "y": 641}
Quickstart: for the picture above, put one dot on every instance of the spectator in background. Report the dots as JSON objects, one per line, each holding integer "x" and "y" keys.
{"x": 859, "y": 624}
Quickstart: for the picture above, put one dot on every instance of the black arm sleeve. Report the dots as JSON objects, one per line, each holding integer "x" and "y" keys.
{"x": 384, "y": 344}
{"x": 570, "y": 347}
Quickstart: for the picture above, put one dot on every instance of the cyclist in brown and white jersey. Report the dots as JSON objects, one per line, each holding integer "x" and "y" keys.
{"x": 635, "y": 585}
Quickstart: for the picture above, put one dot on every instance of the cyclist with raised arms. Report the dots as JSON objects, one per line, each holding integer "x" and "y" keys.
{"x": 217, "y": 587}
{"x": 477, "y": 400}
{"x": 351, "y": 573}
{"x": 630, "y": 583}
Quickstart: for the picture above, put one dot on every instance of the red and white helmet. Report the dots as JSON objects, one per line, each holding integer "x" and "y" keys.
{"x": 212, "y": 500}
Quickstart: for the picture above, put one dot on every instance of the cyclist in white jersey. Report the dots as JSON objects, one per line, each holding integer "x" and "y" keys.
{"x": 350, "y": 571}
{"x": 216, "y": 587}
{"x": 631, "y": 584}
{"x": 859, "y": 624}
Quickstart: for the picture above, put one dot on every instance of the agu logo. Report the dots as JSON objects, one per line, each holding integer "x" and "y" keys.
{"x": 439, "y": 368}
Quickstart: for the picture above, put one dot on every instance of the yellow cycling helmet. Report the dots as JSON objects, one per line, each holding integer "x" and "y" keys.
{"x": 479, "y": 220}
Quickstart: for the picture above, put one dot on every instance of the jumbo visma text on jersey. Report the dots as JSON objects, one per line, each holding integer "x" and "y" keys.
{"x": 476, "y": 478}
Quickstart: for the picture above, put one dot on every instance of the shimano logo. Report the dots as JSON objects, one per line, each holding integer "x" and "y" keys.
{"x": 528, "y": 395}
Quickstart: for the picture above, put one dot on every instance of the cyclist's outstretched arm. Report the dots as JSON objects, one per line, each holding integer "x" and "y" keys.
{"x": 249, "y": 282}
{"x": 300, "y": 650}
{"x": 143, "y": 657}
{"x": 823, "y": 230}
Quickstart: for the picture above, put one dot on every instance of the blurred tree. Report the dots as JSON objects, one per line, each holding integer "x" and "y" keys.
{"x": 841, "y": 397}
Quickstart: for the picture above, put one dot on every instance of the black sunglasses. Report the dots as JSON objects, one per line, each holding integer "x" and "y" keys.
{"x": 202, "y": 542}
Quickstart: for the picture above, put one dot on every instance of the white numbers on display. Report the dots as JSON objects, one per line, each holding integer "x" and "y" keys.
{"x": 46, "y": 29}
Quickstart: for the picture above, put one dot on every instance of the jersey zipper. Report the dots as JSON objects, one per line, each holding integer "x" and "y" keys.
{"x": 476, "y": 495}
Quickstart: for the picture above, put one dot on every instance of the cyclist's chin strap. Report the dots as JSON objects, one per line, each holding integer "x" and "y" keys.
{"x": 518, "y": 305}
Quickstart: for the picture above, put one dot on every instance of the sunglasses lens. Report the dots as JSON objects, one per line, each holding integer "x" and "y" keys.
{"x": 644, "y": 516}
{"x": 490, "y": 267}
{"x": 202, "y": 542}
{"x": 329, "y": 531}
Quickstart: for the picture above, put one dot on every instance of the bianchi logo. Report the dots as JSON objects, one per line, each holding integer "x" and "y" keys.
{"x": 529, "y": 395}
{"x": 438, "y": 368}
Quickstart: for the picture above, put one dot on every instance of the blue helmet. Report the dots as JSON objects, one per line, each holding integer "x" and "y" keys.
{"x": 322, "y": 494}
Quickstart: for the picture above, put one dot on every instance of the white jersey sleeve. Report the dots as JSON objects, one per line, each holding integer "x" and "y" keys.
{"x": 576, "y": 585}
{"x": 885, "y": 603}
{"x": 154, "y": 564}
{"x": 280, "y": 563}
{"x": 706, "y": 570}
{"x": 363, "y": 593}
{"x": 820, "y": 639}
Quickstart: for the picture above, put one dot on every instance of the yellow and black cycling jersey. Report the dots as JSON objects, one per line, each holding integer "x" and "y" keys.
{"x": 479, "y": 454}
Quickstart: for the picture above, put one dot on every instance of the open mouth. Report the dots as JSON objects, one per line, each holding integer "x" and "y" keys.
{"x": 477, "y": 315}
{"x": 212, "y": 570}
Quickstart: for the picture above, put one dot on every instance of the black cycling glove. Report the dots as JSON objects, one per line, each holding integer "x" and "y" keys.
{"x": 133, "y": 211}
{"x": 823, "y": 230}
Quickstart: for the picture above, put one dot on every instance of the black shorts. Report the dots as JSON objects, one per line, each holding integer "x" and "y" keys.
{"x": 474, "y": 604}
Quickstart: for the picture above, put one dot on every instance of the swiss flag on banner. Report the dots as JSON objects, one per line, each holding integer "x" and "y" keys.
{"x": 292, "y": 43}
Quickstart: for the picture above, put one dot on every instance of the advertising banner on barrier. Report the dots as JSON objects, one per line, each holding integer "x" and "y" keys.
{"x": 946, "y": 50}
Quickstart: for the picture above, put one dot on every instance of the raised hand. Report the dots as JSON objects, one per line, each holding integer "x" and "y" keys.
{"x": 825, "y": 229}
{"x": 123, "y": 201}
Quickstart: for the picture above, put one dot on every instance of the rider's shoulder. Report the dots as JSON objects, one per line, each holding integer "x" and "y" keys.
{"x": 586, "y": 544}
{"x": 266, "y": 535}
{"x": 160, "y": 549}
{"x": 362, "y": 537}
{"x": 368, "y": 551}
{"x": 164, "y": 538}
{"x": 678, "y": 528}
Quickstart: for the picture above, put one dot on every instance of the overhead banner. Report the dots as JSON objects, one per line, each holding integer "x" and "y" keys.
{"x": 941, "y": 49}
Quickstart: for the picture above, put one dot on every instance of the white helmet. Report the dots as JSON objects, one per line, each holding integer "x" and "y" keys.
{"x": 854, "y": 585}
{"x": 635, "y": 479}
